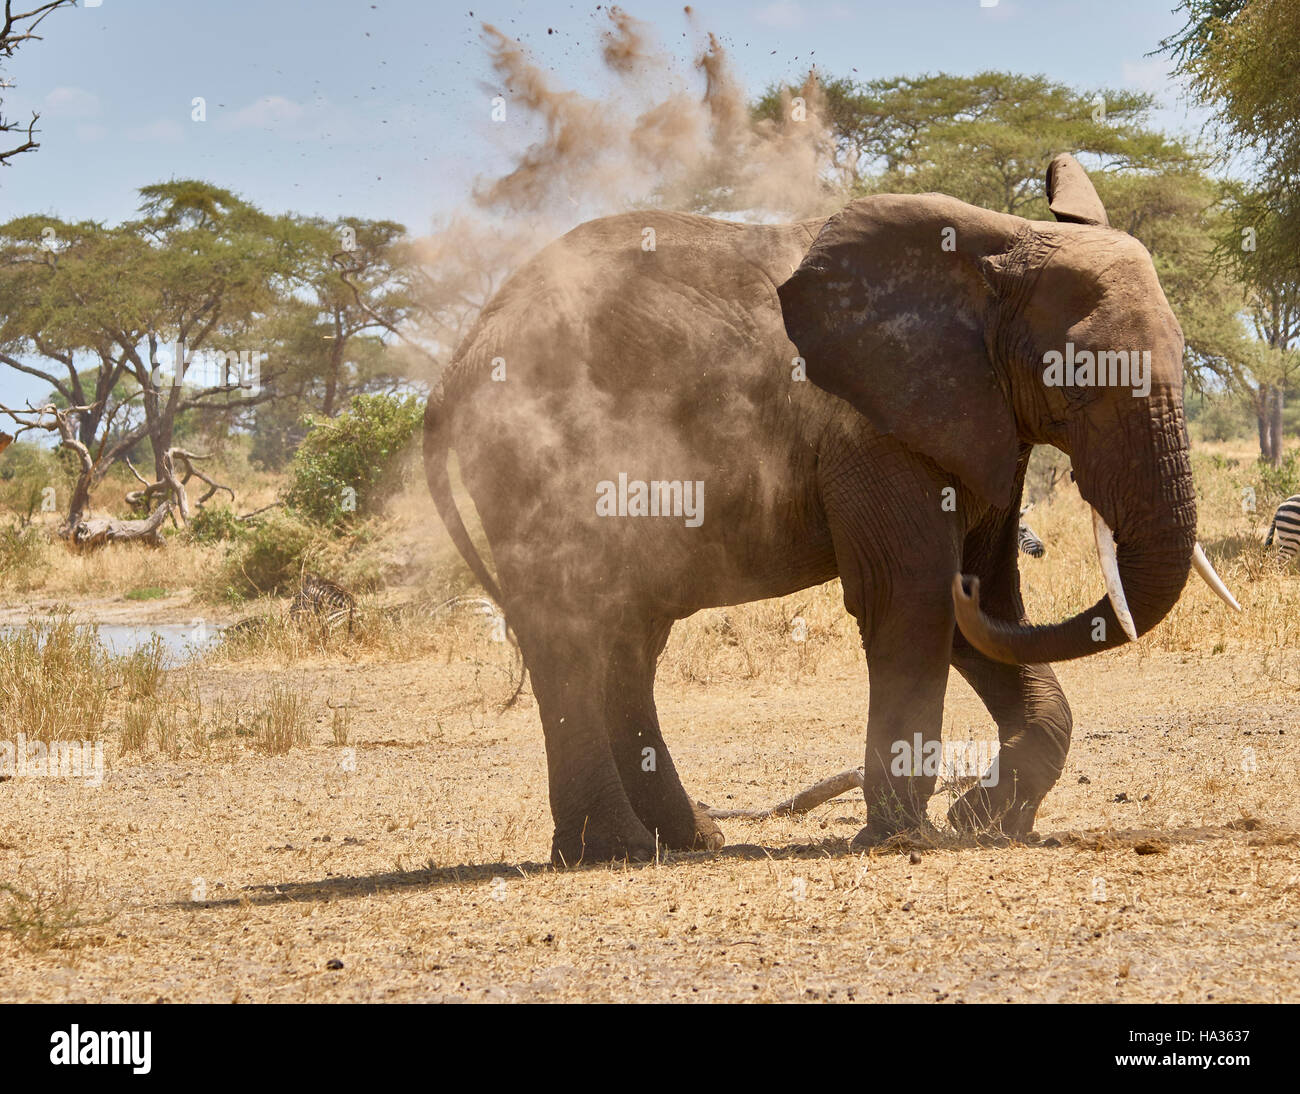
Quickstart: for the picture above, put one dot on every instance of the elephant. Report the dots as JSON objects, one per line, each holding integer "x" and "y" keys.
{"x": 662, "y": 412}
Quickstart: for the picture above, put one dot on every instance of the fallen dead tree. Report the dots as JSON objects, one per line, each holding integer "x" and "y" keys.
{"x": 803, "y": 802}
{"x": 172, "y": 485}
{"x": 90, "y": 535}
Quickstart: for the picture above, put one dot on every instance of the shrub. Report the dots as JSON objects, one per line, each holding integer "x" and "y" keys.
{"x": 1224, "y": 418}
{"x": 268, "y": 558}
{"x": 213, "y": 524}
{"x": 1276, "y": 484}
{"x": 348, "y": 467}
{"x": 27, "y": 471}
{"x": 22, "y": 549}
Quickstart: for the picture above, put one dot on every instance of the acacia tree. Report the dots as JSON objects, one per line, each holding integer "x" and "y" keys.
{"x": 452, "y": 274}
{"x": 201, "y": 309}
{"x": 1266, "y": 367}
{"x": 1240, "y": 59}
{"x": 345, "y": 289}
{"x": 350, "y": 272}
{"x": 986, "y": 139}
{"x": 112, "y": 318}
{"x": 213, "y": 268}
{"x": 68, "y": 297}
{"x": 434, "y": 289}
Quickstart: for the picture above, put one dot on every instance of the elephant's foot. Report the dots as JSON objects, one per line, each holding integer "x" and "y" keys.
{"x": 876, "y": 835}
{"x": 596, "y": 841}
{"x": 891, "y": 811}
{"x": 1003, "y": 809}
{"x": 704, "y": 833}
{"x": 682, "y": 826}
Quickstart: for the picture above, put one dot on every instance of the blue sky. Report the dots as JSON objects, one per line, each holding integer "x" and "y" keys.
{"x": 348, "y": 107}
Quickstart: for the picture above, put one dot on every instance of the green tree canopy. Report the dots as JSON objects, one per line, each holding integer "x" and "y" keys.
{"x": 986, "y": 139}
{"x": 1241, "y": 58}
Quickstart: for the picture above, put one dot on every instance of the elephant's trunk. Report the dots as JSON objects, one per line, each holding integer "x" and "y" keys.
{"x": 1151, "y": 504}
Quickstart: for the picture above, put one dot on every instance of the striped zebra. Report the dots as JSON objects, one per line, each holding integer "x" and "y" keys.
{"x": 1285, "y": 529}
{"x": 1029, "y": 543}
{"x": 324, "y": 601}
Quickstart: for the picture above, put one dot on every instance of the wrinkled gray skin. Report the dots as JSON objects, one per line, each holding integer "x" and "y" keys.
{"x": 926, "y": 373}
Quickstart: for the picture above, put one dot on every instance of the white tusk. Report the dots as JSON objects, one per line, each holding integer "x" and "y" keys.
{"x": 1212, "y": 579}
{"x": 1110, "y": 574}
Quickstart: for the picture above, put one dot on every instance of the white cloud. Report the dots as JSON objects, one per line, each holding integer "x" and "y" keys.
{"x": 164, "y": 131}
{"x": 71, "y": 102}
{"x": 782, "y": 15}
{"x": 1149, "y": 75}
{"x": 268, "y": 112}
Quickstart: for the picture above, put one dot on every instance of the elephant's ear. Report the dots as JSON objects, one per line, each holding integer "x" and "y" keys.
{"x": 1071, "y": 195}
{"x": 888, "y": 311}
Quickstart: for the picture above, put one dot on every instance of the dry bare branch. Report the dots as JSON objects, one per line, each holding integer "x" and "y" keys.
{"x": 804, "y": 801}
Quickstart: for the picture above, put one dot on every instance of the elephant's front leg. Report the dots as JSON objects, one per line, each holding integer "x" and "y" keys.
{"x": 896, "y": 547}
{"x": 1026, "y": 702}
{"x": 640, "y": 752}
{"x": 1034, "y": 724}
{"x": 907, "y": 661}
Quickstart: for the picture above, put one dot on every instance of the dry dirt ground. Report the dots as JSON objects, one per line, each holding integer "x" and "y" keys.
{"x": 409, "y": 863}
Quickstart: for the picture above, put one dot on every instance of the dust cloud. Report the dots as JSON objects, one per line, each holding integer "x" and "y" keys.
{"x": 653, "y": 140}
{"x": 656, "y": 132}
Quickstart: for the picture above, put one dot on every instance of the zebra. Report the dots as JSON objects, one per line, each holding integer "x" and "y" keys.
{"x": 1029, "y": 543}
{"x": 323, "y": 600}
{"x": 1285, "y": 529}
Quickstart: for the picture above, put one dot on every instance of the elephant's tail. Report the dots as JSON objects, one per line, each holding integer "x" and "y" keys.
{"x": 436, "y": 447}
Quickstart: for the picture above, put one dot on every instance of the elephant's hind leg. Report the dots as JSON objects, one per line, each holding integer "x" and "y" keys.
{"x": 1034, "y": 724}
{"x": 640, "y": 753}
{"x": 567, "y": 655}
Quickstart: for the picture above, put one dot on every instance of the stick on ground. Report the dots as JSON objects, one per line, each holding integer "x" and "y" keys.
{"x": 804, "y": 801}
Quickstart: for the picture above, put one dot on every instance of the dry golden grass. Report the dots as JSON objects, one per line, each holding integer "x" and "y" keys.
{"x": 415, "y": 854}
{"x": 59, "y": 573}
{"x": 1068, "y": 579}
{"x": 55, "y": 681}
{"x": 282, "y": 726}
